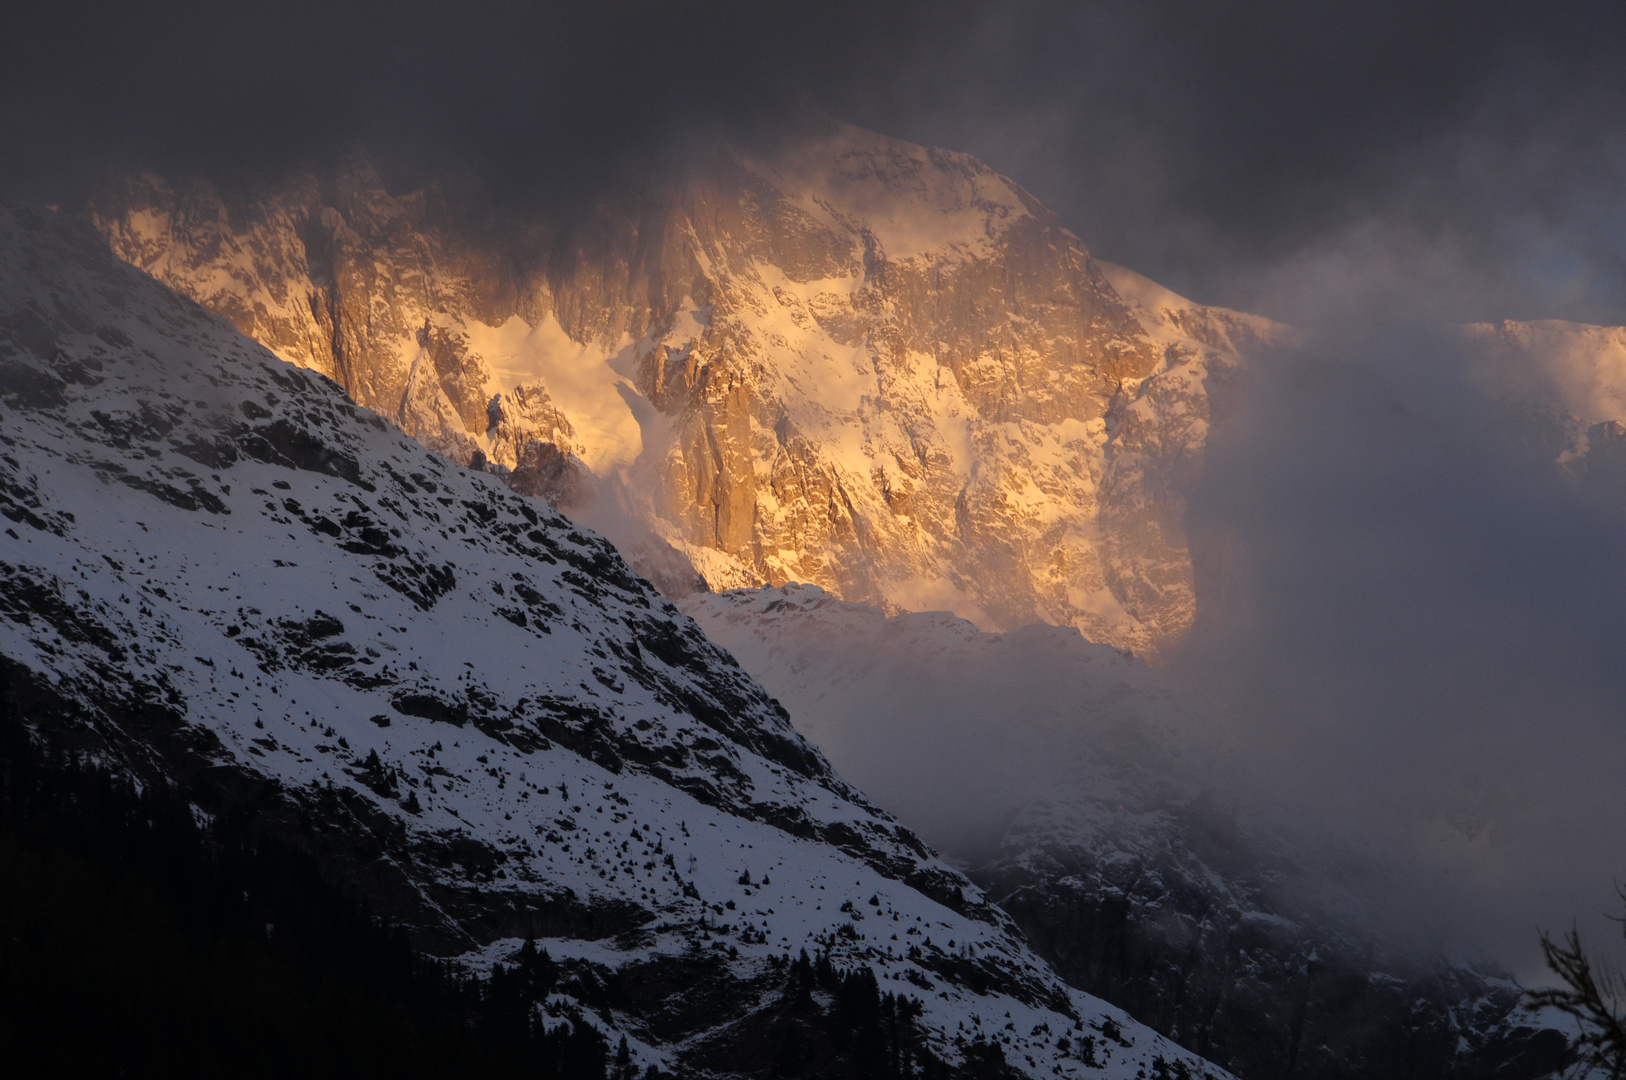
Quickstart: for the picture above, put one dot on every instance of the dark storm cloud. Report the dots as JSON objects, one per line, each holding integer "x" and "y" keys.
{"x": 550, "y": 98}
{"x": 1196, "y": 142}
{"x": 1419, "y": 634}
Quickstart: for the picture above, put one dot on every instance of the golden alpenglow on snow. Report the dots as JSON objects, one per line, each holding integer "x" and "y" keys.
{"x": 863, "y": 364}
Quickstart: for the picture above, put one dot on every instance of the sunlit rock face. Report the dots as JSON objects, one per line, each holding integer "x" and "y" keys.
{"x": 858, "y": 363}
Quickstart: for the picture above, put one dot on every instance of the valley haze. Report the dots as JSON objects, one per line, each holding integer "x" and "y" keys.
{"x": 1118, "y": 435}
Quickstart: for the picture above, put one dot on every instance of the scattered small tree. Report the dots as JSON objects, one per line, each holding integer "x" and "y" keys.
{"x": 1594, "y": 997}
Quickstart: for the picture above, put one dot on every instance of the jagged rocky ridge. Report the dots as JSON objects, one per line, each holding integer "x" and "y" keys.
{"x": 1089, "y": 796}
{"x": 217, "y": 571}
{"x": 857, "y": 362}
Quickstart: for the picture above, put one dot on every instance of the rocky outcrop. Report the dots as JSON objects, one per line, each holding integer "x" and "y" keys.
{"x": 860, "y": 363}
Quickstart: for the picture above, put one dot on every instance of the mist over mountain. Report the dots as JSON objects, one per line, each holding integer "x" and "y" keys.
{"x": 1128, "y": 825}
{"x": 1202, "y": 147}
{"x": 1269, "y": 359}
{"x": 875, "y": 366}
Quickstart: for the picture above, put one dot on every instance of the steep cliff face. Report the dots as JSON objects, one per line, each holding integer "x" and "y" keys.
{"x": 859, "y": 363}
{"x": 218, "y": 573}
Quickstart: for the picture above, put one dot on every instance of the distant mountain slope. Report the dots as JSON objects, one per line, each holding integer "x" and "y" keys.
{"x": 1581, "y": 367}
{"x": 1098, "y": 804}
{"x": 861, "y": 363}
{"x": 1564, "y": 385}
{"x": 217, "y": 571}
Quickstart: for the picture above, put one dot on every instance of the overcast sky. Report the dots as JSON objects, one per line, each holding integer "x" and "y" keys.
{"x": 1200, "y": 143}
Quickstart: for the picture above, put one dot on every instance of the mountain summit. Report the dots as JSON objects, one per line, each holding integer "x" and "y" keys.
{"x": 857, "y": 362}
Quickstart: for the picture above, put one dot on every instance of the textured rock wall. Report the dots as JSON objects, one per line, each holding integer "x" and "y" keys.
{"x": 863, "y": 364}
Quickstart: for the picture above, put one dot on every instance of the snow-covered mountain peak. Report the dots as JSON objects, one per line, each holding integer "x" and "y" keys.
{"x": 851, "y": 361}
{"x": 1582, "y": 367}
{"x": 1173, "y": 321}
{"x": 855, "y": 362}
{"x": 219, "y": 572}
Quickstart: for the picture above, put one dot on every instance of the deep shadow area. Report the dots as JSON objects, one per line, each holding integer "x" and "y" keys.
{"x": 135, "y": 941}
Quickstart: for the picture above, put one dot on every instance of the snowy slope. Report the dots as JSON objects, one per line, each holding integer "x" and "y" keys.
{"x": 1581, "y": 367}
{"x": 223, "y": 572}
